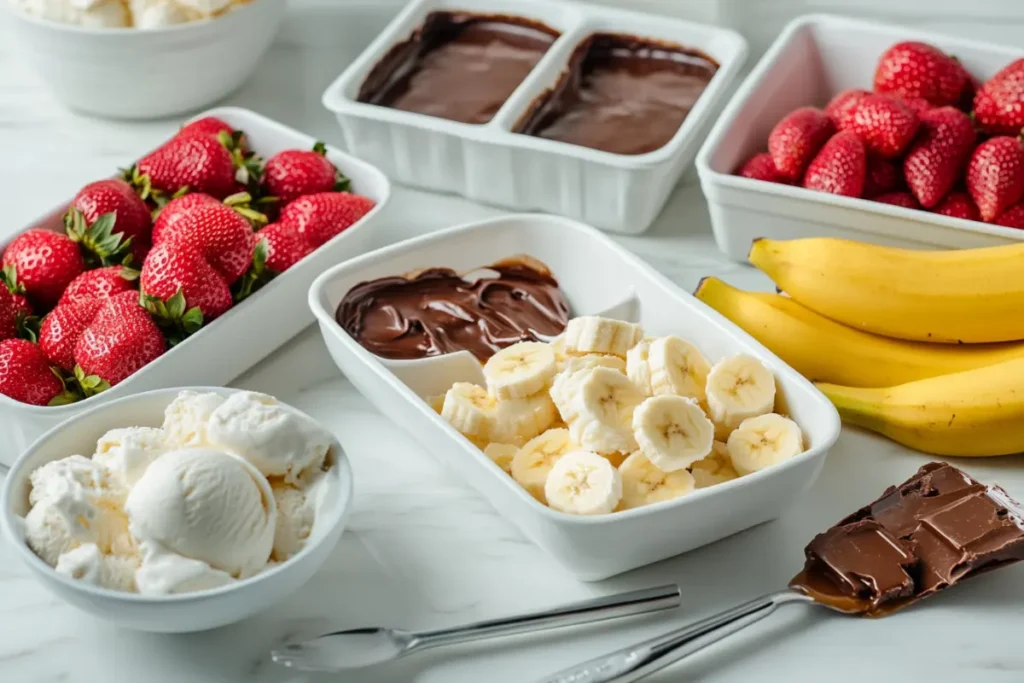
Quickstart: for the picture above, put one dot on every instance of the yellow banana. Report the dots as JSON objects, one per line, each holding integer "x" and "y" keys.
{"x": 823, "y": 350}
{"x": 974, "y": 413}
{"x": 961, "y": 296}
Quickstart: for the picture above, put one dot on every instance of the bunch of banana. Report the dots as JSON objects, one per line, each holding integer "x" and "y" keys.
{"x": 604, "y": 419}
{"x": 921, "y": 346}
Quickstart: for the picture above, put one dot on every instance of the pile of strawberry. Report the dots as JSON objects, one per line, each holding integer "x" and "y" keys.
{"x": 929, "y": 137}
{"x": 149, "y": 258}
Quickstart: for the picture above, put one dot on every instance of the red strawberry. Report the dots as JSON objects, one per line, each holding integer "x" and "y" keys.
{"x": 1012, "y": 217}
{"x": 293, "y": 173}
{"x": 176, "y": 209}
{"x": 200, "y": 163}
{"x": 120, "y": 341}
{"x": 936, "y": 160}
{"x": 14, "y": 305}
{"x": 847, "y": 99}
{"x": 913, "y": 69}
{"x": 958, "y": 204}
{"x": 882, "y": 176}
{"x": 115, "y": 196}
{"x": 904, "y": 199}
{"x": 971, "y": 85}
{"x": 44, "y": 263}
{"x": 840, "y": 166}
{"x": 884, "y": 124}
{"x": 25, "y": 374}
{"x": 918, "y": 105}
{"x": 209, "y": 126}
{"x": 62, "y": 328}
{"x": 285, "y": 246}
{"x": 223, "y": 236}
{"x": 174, "y": 267}
{"x": 319, "y": 217}
{"x": 101, "y": 284}
{"x": 999, "y": 103}
{"x": 995, "y": 176}
{"x": 761, "y": 167}
{"x": 797, "y": 138}
{"x": 8, "y": 315}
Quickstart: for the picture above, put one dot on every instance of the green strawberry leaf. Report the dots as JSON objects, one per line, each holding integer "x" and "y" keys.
{"x": 320, "y": 148}
{"x": 64, "y": 398}
{"x": 101, "y": 246}
{"x": 342, "y": 183}
{"x": 176, "y": 305}
{"x": 192, "y": 320}
{"x": 90, "y": 385}
{"x": 127, "y": 272}
{"x": 28, "y": 327}
{"x": 173, "y": 317}
{"x": 241, "y": 202}
{"x": 257, "y": 276}
{"x": 9, "y": 278}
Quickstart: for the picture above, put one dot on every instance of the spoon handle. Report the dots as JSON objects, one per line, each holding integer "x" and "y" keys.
{"x": 599, "y": 609}
{"x": 642, "y": 659}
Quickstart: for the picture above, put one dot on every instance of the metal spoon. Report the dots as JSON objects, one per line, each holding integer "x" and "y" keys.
{"x": 363, "y": 647}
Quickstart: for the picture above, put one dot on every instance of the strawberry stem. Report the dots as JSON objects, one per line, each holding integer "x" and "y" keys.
{"x": 173, "y": 317}
{"x": 257, "y": 276}
{"x": 101, "y": 246}
{"x": 87, "y": 385}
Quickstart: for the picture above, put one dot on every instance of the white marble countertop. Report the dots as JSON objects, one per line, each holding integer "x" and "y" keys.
{"x": 425, "y": 550}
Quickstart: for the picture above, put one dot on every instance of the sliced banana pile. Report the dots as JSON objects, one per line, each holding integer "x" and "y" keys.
{"x": 604, "y": 419}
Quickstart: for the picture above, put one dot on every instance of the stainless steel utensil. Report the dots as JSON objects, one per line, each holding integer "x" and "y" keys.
{"x": 363, "y": 647}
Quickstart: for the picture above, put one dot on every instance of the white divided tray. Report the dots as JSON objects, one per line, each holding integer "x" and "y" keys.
{"x": 244, "y": 335}
{"x": 812, "y": 60}
{"x": 597, "y": 276}
{"x": 491, "y": 164}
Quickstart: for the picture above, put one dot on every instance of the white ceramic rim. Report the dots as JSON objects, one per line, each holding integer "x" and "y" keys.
{"x": 9, "y": 520}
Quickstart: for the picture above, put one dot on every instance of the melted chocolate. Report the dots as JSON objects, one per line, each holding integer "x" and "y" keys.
{"x": 458, "y": 66}
{"x": 934, "y": 530}
{"x": 621, "y": 94}
{"x": 437, "y": 311}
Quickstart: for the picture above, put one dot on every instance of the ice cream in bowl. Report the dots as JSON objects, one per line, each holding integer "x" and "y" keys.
{"x": 178, "y": 510}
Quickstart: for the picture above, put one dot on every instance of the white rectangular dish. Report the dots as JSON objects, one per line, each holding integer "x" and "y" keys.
{"x": 597, "y": 276}
{"x": 814, "y": 58}
{"x": 491, "y": 164}
{"x": 244, "y": 335}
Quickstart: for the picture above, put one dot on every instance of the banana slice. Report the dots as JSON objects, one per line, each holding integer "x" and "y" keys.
{"x": 637, "y": 369}
{"x": 763, "y": 441}
{"x": 673, "y": 432}
{"x": 605, "y": 404}
{"x": 703, "y": 479}
{"x": 583, "y": 483}
{"x": 518, "y": 420}
{"x": 708, "y": 465}
{"x": 470, "y": 409}
{"x": 520, "y": 370}
{"x": 592, "y": 334}
{"x": 677, "y": 367}
{"x": 532, "y": 463}
{"x": 558, "y": 347}
{"x": 591, "y": 361}
{"x": 643, "y": 483}
{"x": 435, "y": 402}
{"x": 501, "y": 454}
{"x": 738, "y": 388}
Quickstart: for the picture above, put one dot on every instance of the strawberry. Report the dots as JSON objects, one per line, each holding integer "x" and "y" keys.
{"x": 918, "y": 105}
{"x": 286, "y": 247}
{"x": 999, "y": 102}
{"x": 199, "y": 163}
{"x": 174, "y": 267}
{"x": 958, "y": 204}
{"x": 209, "y": 126}
{"x": 220, "y": 234}
{"x": 847, "y": 99}
{"x": 25, "y": 375}
{"x": 44, "y": 262}
{"x": 971, "y": 85}
{"x": 904, "y": 199}
{"x": 759, "y": 167}
{"x": 101, "y": 283}
{"x": 176, "y": 209}
{"x": 293, "y": 173}
{"x": 120, "y": 340}
{"x": 882, "y": 176}
{"x": 319, "y": 217}
{"x": 132, "y": 218}
{"x": 995, "y": 175}
{"x": 936, "y": 160}
{"x": 884, "y": 124}
{"x": 62, "y": 328}
{"x": 795, "y": 140}
{"x": 913, "y": 69}
{"x": 840, "y": 167}
{"x": 8, "y": 315}
{"x": 1012, "y": 217}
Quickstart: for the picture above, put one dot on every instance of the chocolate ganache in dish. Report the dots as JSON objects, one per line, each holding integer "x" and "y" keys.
{"x": 437, "y": 311}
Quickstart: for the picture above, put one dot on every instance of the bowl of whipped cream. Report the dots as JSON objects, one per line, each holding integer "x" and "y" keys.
{"x": 178, "y": 510}
{"x": 142, "y": 59}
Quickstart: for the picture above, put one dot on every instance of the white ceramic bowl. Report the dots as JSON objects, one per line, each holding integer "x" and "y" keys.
{"x": 128, "y": 73}
{"x": 598, "y": 278}
{"x": 814, "y": 58}
{"x": 183, "y": 613}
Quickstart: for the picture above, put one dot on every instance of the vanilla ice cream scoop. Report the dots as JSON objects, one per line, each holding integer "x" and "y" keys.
{"x": 278, "y": 441}
{"x": 186, "y": 418}
{"x": 205, "y": 505}
{"x": 89, "y": 564}
{"x": 166, "y": 573}
{"x": 91, "y": 13}
{"x": 127, "y": 452}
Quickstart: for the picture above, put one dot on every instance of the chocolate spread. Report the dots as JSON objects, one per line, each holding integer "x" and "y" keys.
{"x": 621, "y": 94}
{"x": 437, "y": 311}
{"x": 934, "y": 530}
{"x": 458, "y": 66}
